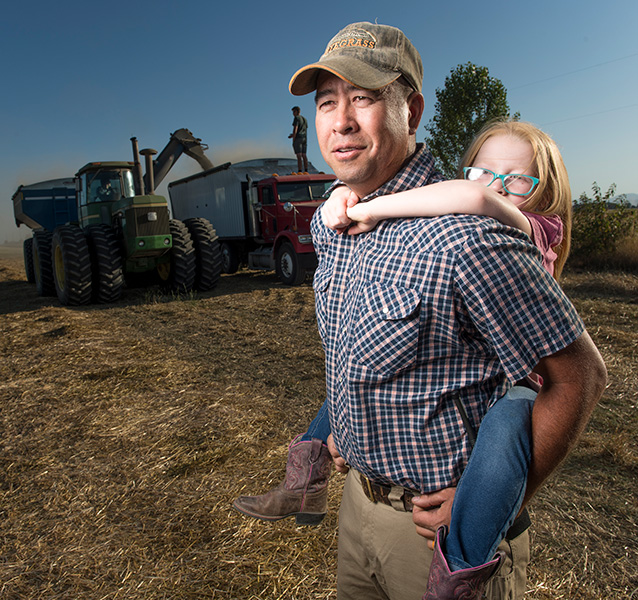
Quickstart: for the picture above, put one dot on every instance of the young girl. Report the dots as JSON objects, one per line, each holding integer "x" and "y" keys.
{"x": 513, "y": 172}
{"x": 521, "y": 201}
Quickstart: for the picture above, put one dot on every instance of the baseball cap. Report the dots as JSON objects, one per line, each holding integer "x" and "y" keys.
{"x": 366, "y": 55}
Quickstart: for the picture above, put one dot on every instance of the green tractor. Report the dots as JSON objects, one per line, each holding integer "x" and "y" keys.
{"x": 122, "y": 232}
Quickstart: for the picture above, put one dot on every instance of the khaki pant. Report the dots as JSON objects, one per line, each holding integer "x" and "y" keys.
{"x": 381, "y": 556}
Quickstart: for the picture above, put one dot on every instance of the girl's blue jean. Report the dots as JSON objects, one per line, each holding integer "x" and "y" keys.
{"x": 320, "y": 426}
{"x": 490, "y": 492}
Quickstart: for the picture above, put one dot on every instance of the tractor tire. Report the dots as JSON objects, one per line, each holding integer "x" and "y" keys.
{"x": 27, "y": 250}
{"x": 230, "y": 258}
{"x": 178, "y": 275}
{"x": 287, "y": 265}
{"x": 71, "y": 265}
{"x": 42, "y": 263}
{"x": 208, "y": 258}
{"x": 106, "y": 262}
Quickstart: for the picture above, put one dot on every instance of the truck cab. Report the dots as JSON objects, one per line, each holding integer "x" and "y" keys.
{"x": 285, "y": 202}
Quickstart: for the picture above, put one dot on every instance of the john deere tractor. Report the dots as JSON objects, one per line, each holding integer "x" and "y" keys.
{"x": 116, "y": 231}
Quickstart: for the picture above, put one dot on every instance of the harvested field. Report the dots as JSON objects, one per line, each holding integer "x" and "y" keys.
{"x": 126, "y": 431}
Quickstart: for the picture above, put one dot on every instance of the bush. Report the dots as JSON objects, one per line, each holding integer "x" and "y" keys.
{"x": 601, "y": 225}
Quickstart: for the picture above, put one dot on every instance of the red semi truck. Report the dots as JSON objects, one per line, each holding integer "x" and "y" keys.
{"x": 261, "y": 211}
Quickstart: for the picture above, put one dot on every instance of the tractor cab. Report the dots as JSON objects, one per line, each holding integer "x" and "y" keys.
{"x": 99, "y": 186}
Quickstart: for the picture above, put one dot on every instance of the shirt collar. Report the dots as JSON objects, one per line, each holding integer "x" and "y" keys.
{"x": 417, "y": 171}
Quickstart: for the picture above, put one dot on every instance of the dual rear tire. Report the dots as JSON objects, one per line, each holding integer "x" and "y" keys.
{"x": 195, "y": 258}
{"x": 71, "y": 265}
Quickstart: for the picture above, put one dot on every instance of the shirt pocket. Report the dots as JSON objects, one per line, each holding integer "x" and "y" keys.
{"x": 387, "y": 335}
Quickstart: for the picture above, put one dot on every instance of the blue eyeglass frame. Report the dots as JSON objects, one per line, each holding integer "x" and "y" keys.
{"x": 495, "y": 176}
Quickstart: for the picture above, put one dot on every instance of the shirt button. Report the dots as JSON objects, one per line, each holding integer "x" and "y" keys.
{"x": 385, "y": 310}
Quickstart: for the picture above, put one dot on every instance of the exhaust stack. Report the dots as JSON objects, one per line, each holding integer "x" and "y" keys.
{"x": 148, "y": 154}
{"x": 138, "y": 176}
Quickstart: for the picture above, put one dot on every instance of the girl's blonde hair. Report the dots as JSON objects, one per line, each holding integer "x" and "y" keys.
{"x": 552, "y": 195}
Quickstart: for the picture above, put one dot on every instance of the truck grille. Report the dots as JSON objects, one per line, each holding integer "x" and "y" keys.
{"x": 140, "y": 222}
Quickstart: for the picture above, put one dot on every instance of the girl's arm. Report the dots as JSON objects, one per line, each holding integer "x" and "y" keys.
{"x": 447, "y": 197}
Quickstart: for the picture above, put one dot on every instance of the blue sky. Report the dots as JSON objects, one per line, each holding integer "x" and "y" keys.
{"x": 81, "y": 78}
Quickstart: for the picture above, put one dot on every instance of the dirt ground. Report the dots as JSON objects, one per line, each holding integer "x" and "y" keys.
{"x": 126, "y": 431}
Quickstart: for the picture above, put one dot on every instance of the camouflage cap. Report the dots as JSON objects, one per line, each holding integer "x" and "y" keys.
{"x": 366, "y": 55}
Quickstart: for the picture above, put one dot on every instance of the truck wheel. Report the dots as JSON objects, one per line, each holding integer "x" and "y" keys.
{"x": 178, "y": 274}
{"x": 230, "y": 258}
{"x": 71, "y": 265}
{"x": 287, "y": 265}
{"x": 106, "y": 262}
{"x": 27, "y": 250}
{"x": 42, "y": 264}
{"x": 208, "y": 259}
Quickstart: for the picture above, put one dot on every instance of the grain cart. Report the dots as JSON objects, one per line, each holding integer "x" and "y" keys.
{"x": 42, "y": 206}
{"x": 117, "y": 228}
{"x": 261, "y": 215}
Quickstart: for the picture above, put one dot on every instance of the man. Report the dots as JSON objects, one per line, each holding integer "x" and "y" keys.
{"x": 105, "y": 192}
{"x": 418, "y": 313}
{"x": 299, "y": 138}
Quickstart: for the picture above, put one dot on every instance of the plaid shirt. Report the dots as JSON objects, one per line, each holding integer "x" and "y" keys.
{"x": 418, "y": 311}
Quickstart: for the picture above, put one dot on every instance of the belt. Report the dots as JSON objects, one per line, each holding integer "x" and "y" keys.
{"x": 395, "y": 496}
{"x": 400, "y": 498}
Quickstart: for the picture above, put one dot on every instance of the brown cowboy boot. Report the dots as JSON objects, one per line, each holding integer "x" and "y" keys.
{"x": 304, "y": 491}
{"x": 465, "y": 584}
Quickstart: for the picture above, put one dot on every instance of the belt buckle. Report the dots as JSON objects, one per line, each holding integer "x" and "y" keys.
{"x": 367, "y": 487}
{"x": 370, "y": 490}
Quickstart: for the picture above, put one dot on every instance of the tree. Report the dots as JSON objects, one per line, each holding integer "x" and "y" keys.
{"x": 469, "y": 99}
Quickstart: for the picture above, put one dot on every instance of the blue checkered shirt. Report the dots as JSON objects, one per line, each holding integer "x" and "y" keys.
{"x": 418, "y": 311}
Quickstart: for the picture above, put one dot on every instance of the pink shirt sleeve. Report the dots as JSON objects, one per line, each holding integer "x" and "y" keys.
{"x": 547, "y": 233}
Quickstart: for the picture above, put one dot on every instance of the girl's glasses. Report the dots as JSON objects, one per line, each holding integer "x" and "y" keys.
{"x": 514, "y": 183}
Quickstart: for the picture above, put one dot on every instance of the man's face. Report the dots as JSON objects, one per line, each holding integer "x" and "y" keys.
{"x": 364, "y": 136}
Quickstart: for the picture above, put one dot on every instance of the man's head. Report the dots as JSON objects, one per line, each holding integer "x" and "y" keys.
{"x": 368, "y": 101}
{"x": 296, "y": 110}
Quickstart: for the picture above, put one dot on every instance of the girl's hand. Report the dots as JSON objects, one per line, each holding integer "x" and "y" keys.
{"x": 361, "y": 218}
{"x": 333, "y": 211}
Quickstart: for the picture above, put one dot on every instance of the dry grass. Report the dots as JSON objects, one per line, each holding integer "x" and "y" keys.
{"x": 127, "y": 430}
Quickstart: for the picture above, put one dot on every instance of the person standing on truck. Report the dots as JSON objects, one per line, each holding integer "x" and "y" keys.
{"x": 299, "y": 137}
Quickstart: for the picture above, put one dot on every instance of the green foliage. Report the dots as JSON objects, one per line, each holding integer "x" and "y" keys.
{"x": 600, "y": 225}
{"x": 469, "y": 99}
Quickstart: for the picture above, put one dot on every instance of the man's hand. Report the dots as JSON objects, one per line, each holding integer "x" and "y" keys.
{"x": 334, "y": 209}
{"x": 340, "y": 463}
{"x": 430, "y": 511}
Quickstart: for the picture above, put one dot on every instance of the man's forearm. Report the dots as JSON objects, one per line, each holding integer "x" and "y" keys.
{"x": 573, "y": 382}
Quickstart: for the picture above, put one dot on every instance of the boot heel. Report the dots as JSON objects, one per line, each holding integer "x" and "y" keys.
{"x": 309, "y": 519}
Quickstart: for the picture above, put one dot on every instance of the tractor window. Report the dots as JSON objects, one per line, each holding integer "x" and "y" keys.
{"x": 128, "y": 186}
{"x": 104, "y": 186}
